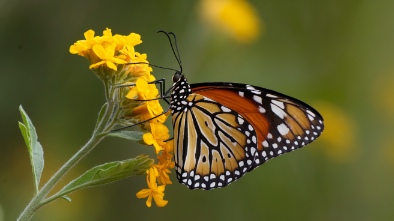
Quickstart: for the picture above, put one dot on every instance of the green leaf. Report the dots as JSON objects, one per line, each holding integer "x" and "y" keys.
{"x": 36, "y": 152}
{"x": 129, "y": 135}
{"x": 107, "y": 173}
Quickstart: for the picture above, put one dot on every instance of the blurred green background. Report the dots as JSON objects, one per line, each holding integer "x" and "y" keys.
{"x": 335, "y": 55}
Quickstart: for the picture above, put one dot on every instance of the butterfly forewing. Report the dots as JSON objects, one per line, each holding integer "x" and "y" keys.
{"x": 282, "y": 123}
{"x": 223, "y": 130}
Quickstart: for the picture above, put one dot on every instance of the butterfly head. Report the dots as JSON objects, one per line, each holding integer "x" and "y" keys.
{"x": 177, "y": 76}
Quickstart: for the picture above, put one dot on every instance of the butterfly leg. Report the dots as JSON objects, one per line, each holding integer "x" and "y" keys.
{"x": 141, "y": 122}
{"x": 162, "y": 86}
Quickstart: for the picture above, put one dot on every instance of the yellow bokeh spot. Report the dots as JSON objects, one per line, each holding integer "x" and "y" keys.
{"x": 339, "y": 132}
{"x": 238, "y": 18}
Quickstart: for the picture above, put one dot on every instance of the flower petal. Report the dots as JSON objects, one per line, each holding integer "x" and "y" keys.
{"x": 143, "y": 193}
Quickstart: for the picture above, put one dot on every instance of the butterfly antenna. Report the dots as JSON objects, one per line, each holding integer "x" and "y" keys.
{"x": 175, "y": 50}
{"x": 153, "y": 65}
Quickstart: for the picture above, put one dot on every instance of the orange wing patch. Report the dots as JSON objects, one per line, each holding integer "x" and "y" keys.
{"x": 247, "y": 108}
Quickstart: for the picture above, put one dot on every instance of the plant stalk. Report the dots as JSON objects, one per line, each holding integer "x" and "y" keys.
{"x": 99, "y": 135}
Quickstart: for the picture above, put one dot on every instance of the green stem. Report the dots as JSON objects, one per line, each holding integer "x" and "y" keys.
{"x": 99, "y": 134}
{"x": 35, "y": 202}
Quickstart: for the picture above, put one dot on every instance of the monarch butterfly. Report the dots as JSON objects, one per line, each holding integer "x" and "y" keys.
{"x": 224, "y": 130}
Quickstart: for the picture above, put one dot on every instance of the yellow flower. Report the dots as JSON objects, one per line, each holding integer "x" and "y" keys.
{"x": 128, "y": 52}
{"x": 163, "y": 171}
{"x": 128, "y": 67}
{"x": 158, "y": 134}
{"x": 140, "y": 87}
{"x": 82, "y": 47}
{"x": 148, "y": 110}
{"x": 107, "y": 33}
{"x": 130, "y": 40}
{"x": 107, "y": 50}
{"x": 238, "y": 18}
{"x": 166, "y": 154}
{"x": 154, "y": 191}
{"x": 150, "y": 140}
{"x": 139, "y": 69}
{"x": 142, "y": 90}
{"x": 107, "y": 56}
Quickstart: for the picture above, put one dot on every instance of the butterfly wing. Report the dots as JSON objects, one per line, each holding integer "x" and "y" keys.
{"x": 212, "y": 143}
{"x": 228, "y": 129}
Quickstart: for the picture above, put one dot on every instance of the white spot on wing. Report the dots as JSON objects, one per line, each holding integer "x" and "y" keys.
{"x": 278, "y": 103}
{"x": 254, "y": 139}
{"x": 249, "y": 87}
{"x": 240, "y": 120}
{"x": 252, "y": 150}
{"x": 283, "y": 129}
{"x": 279, "y": 112}
{"x": 225, "y": 109}
{"x": 311, "y": 113}
{"x": 258, "y": 99}
{"x": 271, "y": 95}
{"x": 256, "y": 92}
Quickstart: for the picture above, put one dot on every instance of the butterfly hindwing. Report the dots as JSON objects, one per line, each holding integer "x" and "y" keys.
{"x": 217, "y": 149}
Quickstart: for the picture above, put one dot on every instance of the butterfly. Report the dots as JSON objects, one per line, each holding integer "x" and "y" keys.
{"x": 224, "y": 130}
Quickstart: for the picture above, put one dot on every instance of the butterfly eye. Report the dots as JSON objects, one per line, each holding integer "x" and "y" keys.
{"x": 176, "y": 76}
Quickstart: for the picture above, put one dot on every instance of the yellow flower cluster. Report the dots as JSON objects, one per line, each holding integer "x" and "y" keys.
{"x": 106, "y": 50}
{"x": 110, "y": 55}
